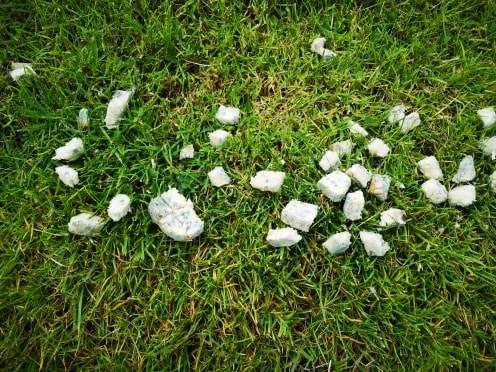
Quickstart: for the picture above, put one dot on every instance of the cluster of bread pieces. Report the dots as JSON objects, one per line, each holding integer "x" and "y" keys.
{"x": 336, "y": 186}
{"x": 175, "y": 214}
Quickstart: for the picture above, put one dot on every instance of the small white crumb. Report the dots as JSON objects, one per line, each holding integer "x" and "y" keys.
{"x": 374, "y": 244}
{"x": 119, "y": 206}
{"x": 317, "y": 45}
{"x": 379, "y": 186}
{"x": 410, "y": 122}
{"x": 357, "y": 129}
{"x": 330, "y": 161}
{"x": 268, "y": 181}
{"x": 456, "y": 225}
{"x": 430, "y": 168}
{"x": 285, "y": 237}
{"x": 466, "y": 170}
{"x": 372, "y": 290}
{"x": 218, "y": 137}
{"x": 360, "y": 174}
{"x": 378, "y": 148}
{"x": 462, "y": 196}
{"x": 67, "y": 175}
{"x": 299, "y": 215}
{"x": 85, "y": 224}
{"x": 435, "y": 191}
{"x": 342, "y": 148}
{"x": 335, "y": 185}
{"x": 328, "y": 54}
{"x": 21, "y": 69}
{"x": 488, "y": 116}
{"x": 353, "y": 205}
{"x": 153, "y": 163}
{"x": 219, "y": 177}
{"x": 228, "y": 115}
{"x": 489, "y": 146}
{"x": 187, "y": 152}
{"x": 83, "y": 119}
{"x": 393, "y": 216}
{"x": 396, "y": 114}
{"x": 400, "y": 185}
{"x": 72, "y": 150}
{"x": 492, "y": 180}
{"x": 338, "y": 243}
{"x": 116, "y": 108}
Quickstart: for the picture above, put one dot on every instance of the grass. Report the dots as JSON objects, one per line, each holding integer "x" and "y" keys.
{"x": 133, "y": 299}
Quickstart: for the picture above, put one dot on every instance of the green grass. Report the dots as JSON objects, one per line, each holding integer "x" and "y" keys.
{"x": 133, "y": 299}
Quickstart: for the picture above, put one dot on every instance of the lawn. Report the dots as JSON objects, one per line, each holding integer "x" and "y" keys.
{"x": 131, "y": 298}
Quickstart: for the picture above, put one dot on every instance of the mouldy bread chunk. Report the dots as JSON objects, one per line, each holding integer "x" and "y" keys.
{"x": 410, "y": 122}
{"x": 188, "y": 152}
{"x": 357, "y": 129}
{"x": 353, "y": 205}
{"x": 379, "y": 186}
{"x": 18, "y": 65}
{"x": 430, "y": 168}
{"x": 83, "y": 119}
{"x": 219, "y": 177}
{"x": 335, "y": 185}
{"x": 228, "y": 115}
{"x": 218, "y": 137}
{"x": 396, "y": 114}
{"x": 175, "y": 216}
{"x": 393, "y": 216}
{"x": 360, "y": 174}
{"x": 373, "y": 243}
{"x": 466, "y": 170}
{"x": 72, "y": 150}
{"x": 492, "y": 180}
{"x": 329, "y": 161}
{"x": 285, "y": 237}
{"x": 21, "y": 69}
{"x": 489, "y": 146}
{"x": 435, "y": 191}
{"x": 488, "y": 116}
{"x": 67, "y": 175}
{"x": 462, "y": 196}
{"x": 116, "y": 107}
{"x": 338, "y": 243}
{"x": 378, "y": 148}
{"x": 120, "y": 205}
{"x": 299, "y": 215}
{"x": 85, "y": 224}
{"x": 342, "y": 148}
{"x": 317, "y": 45}
{"x": 268, "y": 181}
